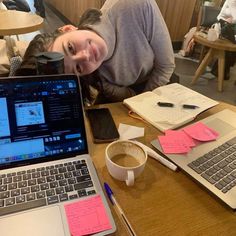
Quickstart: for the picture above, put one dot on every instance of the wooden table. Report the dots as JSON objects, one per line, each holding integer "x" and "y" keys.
{"x": 216, "y": 49}
{"x": 163, "y": 202}
{"x": 18, "y": 22}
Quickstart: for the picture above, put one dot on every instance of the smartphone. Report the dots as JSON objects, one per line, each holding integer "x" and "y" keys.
{"x": 102, "y": 125}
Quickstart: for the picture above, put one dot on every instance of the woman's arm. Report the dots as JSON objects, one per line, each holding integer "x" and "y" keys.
{"x": 232, "y": 7}
{"x": 115, "y": 93}
{"x": 228, "y": 11}
{"x": 159, "y": 38}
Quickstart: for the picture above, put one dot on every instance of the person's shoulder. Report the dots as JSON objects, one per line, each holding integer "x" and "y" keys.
{"x": 126, "y": 4}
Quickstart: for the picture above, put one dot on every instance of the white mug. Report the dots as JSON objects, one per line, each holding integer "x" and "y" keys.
{"x": 125, "y": 160}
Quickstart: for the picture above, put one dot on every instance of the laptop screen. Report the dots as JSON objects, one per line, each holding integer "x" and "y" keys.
{"x": 41, "y": 119}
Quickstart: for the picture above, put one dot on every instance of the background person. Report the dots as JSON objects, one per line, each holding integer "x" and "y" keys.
{"x": 126, "y": 49}
{"x": 227, "y": 16}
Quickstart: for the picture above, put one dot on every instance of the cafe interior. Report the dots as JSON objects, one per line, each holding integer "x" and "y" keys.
{"x": 162, "y": 200}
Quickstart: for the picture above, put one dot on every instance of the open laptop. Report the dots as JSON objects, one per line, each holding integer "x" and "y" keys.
{"x": 44, "y": 159}
{"x": 213, "y": 164}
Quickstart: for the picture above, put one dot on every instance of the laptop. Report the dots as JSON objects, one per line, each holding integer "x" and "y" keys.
{"x": 44, "y": 161}
{"x": 213, "y": 164}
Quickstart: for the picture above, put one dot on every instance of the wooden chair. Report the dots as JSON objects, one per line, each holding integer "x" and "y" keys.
{"x": 215, "y": 49}
{"x": 206, "y": 18}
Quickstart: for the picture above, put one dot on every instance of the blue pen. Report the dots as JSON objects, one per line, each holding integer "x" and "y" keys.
{"x": 118, "y": 210}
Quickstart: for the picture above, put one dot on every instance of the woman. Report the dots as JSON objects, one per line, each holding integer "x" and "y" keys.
{"x": 228, "y": 11}
{"x": 127, "y": 46}
{"x": 227, "y": 19}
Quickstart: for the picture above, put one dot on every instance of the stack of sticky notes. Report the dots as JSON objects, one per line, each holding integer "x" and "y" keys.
{"x": 182, "y": 141}
{"x": 87, "y": 217}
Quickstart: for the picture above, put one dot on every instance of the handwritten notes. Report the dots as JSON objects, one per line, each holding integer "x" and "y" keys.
{"x": 173, "y": 145}
{"x": 87, "y": 216}
{"x": 181, "y": 141}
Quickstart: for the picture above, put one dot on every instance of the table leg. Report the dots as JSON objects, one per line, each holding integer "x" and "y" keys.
{"x": 202, "y": 67}
{"x": 221, "y": 69}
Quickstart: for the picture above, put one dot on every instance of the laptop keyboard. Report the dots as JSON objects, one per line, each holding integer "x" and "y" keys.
{"x": 218, "y": 166}
{"x": 44, "y": 186}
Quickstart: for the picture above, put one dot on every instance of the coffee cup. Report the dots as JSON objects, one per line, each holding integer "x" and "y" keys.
{"x": 125, "y": 160}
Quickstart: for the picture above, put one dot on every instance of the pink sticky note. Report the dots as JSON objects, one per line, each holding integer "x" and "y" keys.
{"x": 172, "y": 145}
{"x": 87, "y": 216}
{"x": 201, "y": 132}
{"x": 181, "y": 135}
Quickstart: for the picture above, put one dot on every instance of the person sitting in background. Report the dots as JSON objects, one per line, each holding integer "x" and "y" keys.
{"x": 227, "y": 16}
{"x": 228, "y": 12}
{"x": 125, "y": 48}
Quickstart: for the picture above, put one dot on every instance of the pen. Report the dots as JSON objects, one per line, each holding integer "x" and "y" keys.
{"x": 165, "y": 104}
{"x": 119, "y": 211}
{"x": 187, "y": 106}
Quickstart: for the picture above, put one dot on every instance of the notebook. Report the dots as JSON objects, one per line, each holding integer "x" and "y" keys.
{"x": 164, "y": 118}
{"x": 45, "y": 168}
{"x": 213, "y": 164}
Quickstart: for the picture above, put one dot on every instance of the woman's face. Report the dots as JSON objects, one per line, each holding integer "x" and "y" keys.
{"x": 84, "y": 51}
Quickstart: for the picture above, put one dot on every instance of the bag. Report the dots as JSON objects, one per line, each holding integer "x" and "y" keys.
{"x": 228, "y": 31}
{"x": 214, "y": 32}
{"x": 11, "y": 48}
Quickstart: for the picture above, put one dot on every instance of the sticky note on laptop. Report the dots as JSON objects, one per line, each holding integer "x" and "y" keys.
{"x": 87, "y": 216}
{"x": 201, "y": 132}
{"x": 181, "y": 141}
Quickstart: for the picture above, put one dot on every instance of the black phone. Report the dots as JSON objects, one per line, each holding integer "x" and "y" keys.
{"x": 102, "y": 125}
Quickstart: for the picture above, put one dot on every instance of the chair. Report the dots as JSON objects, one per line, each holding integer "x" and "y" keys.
{"x": 215, "y": 49}
{"x": 206, "y": 18}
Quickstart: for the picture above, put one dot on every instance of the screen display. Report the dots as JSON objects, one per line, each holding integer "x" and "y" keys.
{"x": 40, "y": 117}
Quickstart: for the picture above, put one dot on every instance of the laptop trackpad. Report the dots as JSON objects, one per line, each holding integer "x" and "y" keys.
{"x": 38, "y": 222}
{"x": 220, "y": 126}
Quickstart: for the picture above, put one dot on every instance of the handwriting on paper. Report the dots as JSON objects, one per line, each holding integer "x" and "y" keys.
{"x": 171, "y": 144}
{"x": 181, "y": 135}
{"x": 87, "y": 216}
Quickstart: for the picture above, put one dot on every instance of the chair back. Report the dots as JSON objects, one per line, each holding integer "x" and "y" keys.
{"x": 207, "y": 16}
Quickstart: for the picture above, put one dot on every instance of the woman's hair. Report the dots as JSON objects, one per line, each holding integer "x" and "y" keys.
{"x": 42, "y": 42}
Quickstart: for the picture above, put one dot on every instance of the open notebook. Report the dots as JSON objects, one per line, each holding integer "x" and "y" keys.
{"x": 164, "y": 118}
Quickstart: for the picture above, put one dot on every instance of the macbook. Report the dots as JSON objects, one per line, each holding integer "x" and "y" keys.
{"x": 213, "y": 164}
{"x": 47, "y": 176}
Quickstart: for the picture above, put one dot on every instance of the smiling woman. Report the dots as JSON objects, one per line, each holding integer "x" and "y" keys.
{"x": 102, "y": 48}
{"x": 84, "y": 51}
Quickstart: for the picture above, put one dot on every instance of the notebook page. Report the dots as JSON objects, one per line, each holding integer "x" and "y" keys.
{"x": 183, "y": 95}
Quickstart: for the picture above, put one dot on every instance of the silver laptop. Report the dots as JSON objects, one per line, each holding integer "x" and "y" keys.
{"x": 44, "y": 159}
{"x": 213, "y": 164}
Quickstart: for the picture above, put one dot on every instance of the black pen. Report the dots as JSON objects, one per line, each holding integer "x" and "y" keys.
{"x": 165, "y": 104}
{"x": 188, "y": 106}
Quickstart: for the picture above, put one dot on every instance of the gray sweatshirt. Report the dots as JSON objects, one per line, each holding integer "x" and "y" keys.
{"x": 139, "y": 47}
